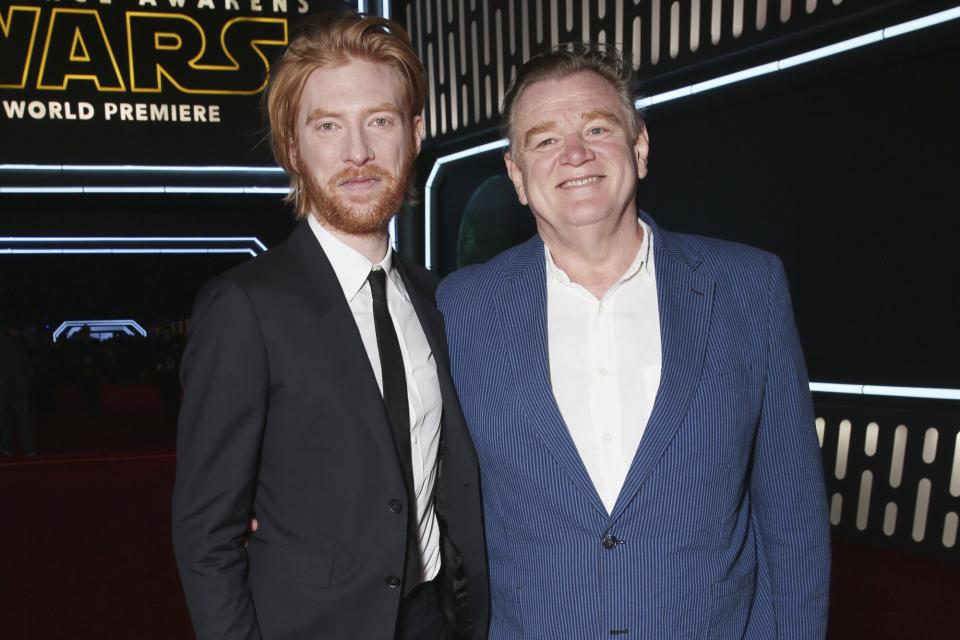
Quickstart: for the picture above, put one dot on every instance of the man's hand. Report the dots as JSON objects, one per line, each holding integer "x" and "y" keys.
{"x": 253, "y": 529}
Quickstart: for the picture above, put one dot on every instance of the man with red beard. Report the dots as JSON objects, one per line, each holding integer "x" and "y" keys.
{"x": 317, "y": 396}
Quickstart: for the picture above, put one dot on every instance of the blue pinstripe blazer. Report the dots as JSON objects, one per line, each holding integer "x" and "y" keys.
{"x": 722, "y": 519}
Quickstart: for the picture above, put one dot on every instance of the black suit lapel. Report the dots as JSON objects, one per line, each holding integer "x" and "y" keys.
{"x": 454, "y": 435}
{"x": 333, "y": 324}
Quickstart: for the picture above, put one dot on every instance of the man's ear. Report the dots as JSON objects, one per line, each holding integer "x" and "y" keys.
{"x": 419, "y": 131}
{"x": 516, "y": 176}
{"x": 641, "y": 149}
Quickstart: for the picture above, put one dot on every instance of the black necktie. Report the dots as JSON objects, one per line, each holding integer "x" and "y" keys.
{"x": 398, "y": 411}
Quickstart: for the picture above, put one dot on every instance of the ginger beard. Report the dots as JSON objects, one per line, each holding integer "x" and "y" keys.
{"x": 358, "y": 215}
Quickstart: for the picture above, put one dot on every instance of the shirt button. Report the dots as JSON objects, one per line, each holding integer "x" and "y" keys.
{"x": 603, "y": 371}
{"x": 610, "y": 542}
{"x": 395, "y": 506}
{"x": 393, "y": 582}
{"x": 607, "y": 437}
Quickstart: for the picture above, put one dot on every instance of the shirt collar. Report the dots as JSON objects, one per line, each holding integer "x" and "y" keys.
{"x": 642, "y": 261}
{"x": 350, "y": 266}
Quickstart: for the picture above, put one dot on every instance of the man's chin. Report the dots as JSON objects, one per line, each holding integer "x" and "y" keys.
{"x": 366, "y": 219}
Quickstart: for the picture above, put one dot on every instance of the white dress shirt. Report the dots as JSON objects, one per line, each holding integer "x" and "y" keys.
{"x": 605, "y": 365}
{"x": 423, "y": 386}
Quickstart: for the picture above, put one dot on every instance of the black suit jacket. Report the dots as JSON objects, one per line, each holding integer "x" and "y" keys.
{"x": 282, "y": 418}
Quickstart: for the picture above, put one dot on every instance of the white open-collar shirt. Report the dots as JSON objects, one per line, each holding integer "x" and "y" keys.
{"x": 423, "y": 386}
{"x": 605, "y": 364}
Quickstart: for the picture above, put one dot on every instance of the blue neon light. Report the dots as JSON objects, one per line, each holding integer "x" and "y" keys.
{"x": 99, "y": 325}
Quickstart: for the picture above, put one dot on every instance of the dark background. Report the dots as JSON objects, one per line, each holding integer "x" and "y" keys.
{"x": 847, "y": 170}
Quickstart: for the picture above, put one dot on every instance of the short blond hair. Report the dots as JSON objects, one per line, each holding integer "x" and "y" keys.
{"x": 329, "y": 40}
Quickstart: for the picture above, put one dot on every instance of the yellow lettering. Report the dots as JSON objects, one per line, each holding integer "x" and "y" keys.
{"x": 179, "y": 54}
{"x": 18, "y": 32}
{"x": 59, "y": 66}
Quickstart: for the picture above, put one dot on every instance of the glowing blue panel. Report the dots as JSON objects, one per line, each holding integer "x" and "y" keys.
{"x": 99, "y": 325}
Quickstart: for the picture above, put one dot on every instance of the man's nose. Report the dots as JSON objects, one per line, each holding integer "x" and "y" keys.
{"x": 575, "y": 151}
{"x": 358, "y": 150}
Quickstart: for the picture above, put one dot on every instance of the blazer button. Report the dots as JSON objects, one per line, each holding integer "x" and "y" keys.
{"x": 610, "y": 542}
{"x": 395, "y": 506}
{"x": 393, "y": 582}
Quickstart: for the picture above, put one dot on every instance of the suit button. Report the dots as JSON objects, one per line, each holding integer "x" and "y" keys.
{"x": 395, "y": 506}
{"x": 610, "y": 542}
{"x": 393, "y": 582}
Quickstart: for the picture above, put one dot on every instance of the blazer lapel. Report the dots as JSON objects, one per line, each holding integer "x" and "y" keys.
{"x": 523, "y": 309}
{"x": 685, "y": 301}
{"x": 454, "y": 433}
{"x": 334, "y": 325}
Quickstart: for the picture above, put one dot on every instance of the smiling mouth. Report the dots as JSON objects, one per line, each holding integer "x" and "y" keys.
{"x": 580, "y": 182}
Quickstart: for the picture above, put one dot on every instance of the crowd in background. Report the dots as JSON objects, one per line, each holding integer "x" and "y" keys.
{"x": 37, "y": 374}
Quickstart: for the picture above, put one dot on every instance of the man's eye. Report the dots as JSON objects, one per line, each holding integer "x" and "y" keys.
{"x": 546, "y": 142}
{"x": 326, "y": 126}
{"x": 380, "y": 122}
{"x": 596, "y": 131}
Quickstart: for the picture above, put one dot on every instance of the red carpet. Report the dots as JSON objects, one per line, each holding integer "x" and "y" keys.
{"x": 86, "y": 548}
{"x": 87, "y": 554}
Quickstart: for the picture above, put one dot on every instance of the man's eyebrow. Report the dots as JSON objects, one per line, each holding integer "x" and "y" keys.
{"x": 388, "y": 107}
{"x": 537, "y": 129}
{"x": 601, "y": 114}
{"x": 318, "y": 114}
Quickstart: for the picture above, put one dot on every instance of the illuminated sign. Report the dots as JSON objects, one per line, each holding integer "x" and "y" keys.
{"x": 140, "y": 81}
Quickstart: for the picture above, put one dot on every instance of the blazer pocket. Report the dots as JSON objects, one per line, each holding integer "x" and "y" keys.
{"x": 731, "y": 600}
{"x": 286, "y": 565}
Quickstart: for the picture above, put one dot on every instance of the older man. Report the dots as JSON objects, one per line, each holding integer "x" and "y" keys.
{"x": 316, "y": 392}
{"x": 637, "y": 398}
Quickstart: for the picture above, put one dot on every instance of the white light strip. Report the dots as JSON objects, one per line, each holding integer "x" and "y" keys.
{"x": 683, "y": 92}
{"x": 929, "y": 393}
{"x": 831, "y": 50}
{"x": 803, "y": 58}
{"x": 133, "y": 239}
{"x": 116, "y": 190}
{"x": 121, "y": 240}
{"x": 738, "y": 76}
{"x": 138, "y": 251}
{"x": 922, "y": 23}
{"x": 137, "y": 168}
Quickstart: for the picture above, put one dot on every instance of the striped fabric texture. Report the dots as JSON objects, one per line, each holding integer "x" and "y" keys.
{"x": 720, "y": 530}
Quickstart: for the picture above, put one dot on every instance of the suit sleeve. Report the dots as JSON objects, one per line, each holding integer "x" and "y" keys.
{"x": 787, "y": 484}
{"x": 224, "y": 375}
